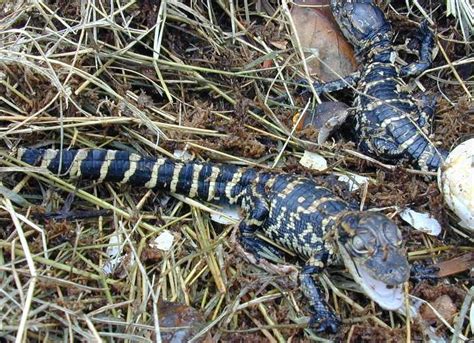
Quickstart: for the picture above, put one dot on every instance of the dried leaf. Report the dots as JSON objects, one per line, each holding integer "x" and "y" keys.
{"x": 179, "y": 322}
{"x": 445, "y": 307}
{"x": 319, "y": 34}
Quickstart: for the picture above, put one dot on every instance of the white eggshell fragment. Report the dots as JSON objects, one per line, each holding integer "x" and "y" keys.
{"x": 164, "y": 241}
{"x": 182, "y": 155}
{"x": 354, "y": 182}
{"x": 421, "y": 221}
{"x": 114, "y": 253}
{"x": 314, "y": 161}
{"x": 456, "y": 181}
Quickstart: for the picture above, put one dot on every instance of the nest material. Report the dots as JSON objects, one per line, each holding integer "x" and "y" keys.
{"x": 191, "y": 76}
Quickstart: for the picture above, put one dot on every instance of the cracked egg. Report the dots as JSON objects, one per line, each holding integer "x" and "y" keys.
{"x": 456, "y": 181}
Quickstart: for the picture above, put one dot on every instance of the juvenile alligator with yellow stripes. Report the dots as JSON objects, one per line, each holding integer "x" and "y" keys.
{"x": 388, "y": 122}
{"x": 294, "y": 211}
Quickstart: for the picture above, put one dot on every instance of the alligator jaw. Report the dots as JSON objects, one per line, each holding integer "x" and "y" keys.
{"x": 388, "y": 297}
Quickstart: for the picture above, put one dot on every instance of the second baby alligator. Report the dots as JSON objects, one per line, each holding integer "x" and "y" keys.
{"x": 388, "y": 122}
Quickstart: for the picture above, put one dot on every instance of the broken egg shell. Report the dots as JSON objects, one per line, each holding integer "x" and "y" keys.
{"x": 421, "y": 221}
{"x": 354, "y": 181}
{"x": 164, "y": 241}
{"x": 314, "y": 161}
{"x": 456, "y": 181}
{"x": 114, "y": 253}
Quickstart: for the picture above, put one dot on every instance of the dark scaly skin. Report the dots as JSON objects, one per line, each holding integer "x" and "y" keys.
{"x": 389, "y": 124}
{"x": 291, "y": 210}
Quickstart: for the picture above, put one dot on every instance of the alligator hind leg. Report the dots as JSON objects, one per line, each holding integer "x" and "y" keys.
{"x": 323, "y": 318}
{"x": 426, "y": 47}
{"x": 385, "y": 146}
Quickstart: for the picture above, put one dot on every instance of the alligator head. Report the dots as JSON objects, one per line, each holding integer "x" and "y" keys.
{"x": 371, "y": 248}
{"x": 359, "y": 20}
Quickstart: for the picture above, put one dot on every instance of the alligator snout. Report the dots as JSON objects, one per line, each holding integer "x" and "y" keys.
{"x": 392, "y": 268}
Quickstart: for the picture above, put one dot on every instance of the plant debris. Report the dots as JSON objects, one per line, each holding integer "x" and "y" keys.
{"x": 203, "y": 78}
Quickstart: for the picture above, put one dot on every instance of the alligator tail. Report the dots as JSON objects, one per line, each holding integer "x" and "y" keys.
{"x": 203, "y": 180}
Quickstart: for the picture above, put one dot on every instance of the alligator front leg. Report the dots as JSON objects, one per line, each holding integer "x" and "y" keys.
{"x": 256, "y": 246}
{"x": 256, "y": 209}
{"x": 426, "y": 112}
{"x": 426, "y": 47}
{"x": 323, "y": 318}
{"x": 335, "y": 85}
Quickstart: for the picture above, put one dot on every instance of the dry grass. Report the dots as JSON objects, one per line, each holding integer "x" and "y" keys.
{"x": 153, "y": 77}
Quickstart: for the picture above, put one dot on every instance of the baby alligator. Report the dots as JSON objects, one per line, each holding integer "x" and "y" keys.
{"x": 293, "y": 211}
{"x": 389, "y": 124}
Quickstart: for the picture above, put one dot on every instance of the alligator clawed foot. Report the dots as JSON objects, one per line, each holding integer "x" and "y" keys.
{"x": 414, "y": 42}
{"x": 325, "y": 322}
{"x": 422, "y": 272}
{"x": 260, "y": 249}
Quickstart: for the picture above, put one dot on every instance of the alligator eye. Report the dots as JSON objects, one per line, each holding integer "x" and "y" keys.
{"x": 392, "y": 233}
{"x": 349, "y": 7}
{"x": 358, "y": 244}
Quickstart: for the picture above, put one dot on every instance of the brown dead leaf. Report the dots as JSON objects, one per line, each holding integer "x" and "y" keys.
{"x": 318, "y": 33}
{"x": 267, "y": 64}
{"x": 179, "y": 322}
{"x": 445, "y": 307}
{"x": 279, "y": 44}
